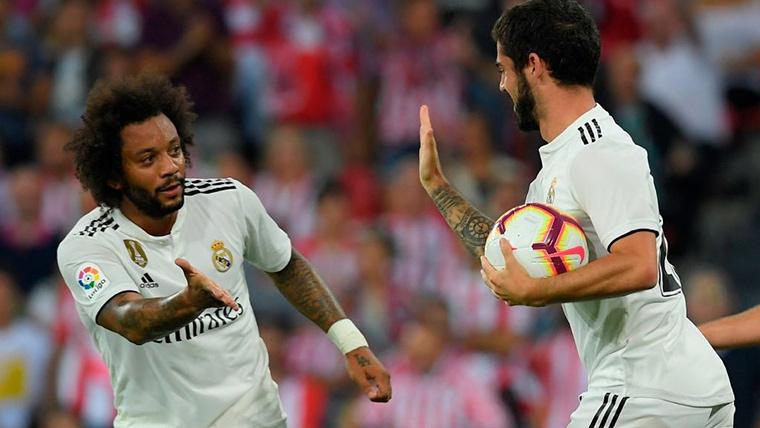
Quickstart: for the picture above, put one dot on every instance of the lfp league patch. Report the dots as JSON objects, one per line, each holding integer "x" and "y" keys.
{"x": 91, "y": 279}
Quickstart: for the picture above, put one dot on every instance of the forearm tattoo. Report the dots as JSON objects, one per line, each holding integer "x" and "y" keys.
{"x": 470, "y": 225}
{"x": 306, "y": 291}
{"x": 148, "y": 319}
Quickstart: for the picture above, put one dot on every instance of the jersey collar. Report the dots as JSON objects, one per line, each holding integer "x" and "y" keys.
{"x": 570, "y": 137}
{"x": 137, "y": 232}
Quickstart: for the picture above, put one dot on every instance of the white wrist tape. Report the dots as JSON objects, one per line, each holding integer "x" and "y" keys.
{"x": 346, "y": 336}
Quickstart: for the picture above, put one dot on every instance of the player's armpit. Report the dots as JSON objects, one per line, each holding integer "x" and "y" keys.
{"x": 141, "y": 320}
{"x": 306, "y": 291}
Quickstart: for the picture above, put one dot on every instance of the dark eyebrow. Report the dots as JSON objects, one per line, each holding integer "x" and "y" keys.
{"x": 172, "y": 142}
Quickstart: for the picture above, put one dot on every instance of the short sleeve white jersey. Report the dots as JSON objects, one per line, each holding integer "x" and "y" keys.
{"x": 194, "y": 374}
{"x": 640, "y": 344}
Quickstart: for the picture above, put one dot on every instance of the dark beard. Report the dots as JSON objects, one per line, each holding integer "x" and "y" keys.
{"x": 149, "y": 203}
{"x": 525, "y": 106}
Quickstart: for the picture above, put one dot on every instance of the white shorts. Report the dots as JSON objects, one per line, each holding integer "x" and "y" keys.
{"x": 606, "y": 410}
{"x": 260, "y": 407}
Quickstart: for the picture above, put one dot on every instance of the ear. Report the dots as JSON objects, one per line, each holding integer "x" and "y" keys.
{"x": 536, "y": 66}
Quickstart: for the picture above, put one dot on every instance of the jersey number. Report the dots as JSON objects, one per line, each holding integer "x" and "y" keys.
{"x": 670, "y": 283}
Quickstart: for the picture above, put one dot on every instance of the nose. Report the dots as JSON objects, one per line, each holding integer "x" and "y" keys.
{"x": 503, "y": 84}
{"x": 169, "y": 165}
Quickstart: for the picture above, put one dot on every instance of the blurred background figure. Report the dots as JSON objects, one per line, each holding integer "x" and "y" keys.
{"x": 78, "y": 383}
{"x": 24, "y": 352}
{"x": 332, "y": 245}
{"x": 304, "y": 396}
{"x": 423, "y": 248}
{"x": 434, "y": 385}
{"x": 709, "y": 296}
{"x": 25, "y": 240}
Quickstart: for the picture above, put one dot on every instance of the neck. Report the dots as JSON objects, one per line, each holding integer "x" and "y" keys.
{"x": 561, "y": 107}
{"x": 153, "y": 226}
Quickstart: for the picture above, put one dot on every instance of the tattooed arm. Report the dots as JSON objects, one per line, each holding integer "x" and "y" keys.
{"x": 141, "y": 320}
{"x": 306, "y": 291}
{"x": 470, "y": 225}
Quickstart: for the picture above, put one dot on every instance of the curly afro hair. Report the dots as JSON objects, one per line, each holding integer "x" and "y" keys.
{"x": 111, "y": 106}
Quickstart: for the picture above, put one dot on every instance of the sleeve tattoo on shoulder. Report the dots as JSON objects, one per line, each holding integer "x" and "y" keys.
{"x": 470, "y": 225}
{"x": 306, "y": 291}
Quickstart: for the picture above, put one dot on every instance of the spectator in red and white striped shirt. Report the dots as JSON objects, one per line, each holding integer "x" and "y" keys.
{"x": 286, "y": 185}
{"x": 555, "y": 362}
{"x": 419, "y": 66}
{"x": 433, "y": 383}
{"x": 303, "y": 396}
{"x": 423, "y": 242}
{"x": 332, "y": 247}
{"x": 79, "y": 378}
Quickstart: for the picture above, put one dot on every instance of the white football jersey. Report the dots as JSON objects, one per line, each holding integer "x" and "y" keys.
{"x": 640, "y": 344}
{"x": 191, "y": 376}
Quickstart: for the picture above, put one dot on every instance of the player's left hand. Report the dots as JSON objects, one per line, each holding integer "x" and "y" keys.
{"x": 368, "y": 372}
{"x": 512, "y": 284}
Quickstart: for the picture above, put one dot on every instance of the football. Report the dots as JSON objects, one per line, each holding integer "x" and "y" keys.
{"x": 546, "y": 241}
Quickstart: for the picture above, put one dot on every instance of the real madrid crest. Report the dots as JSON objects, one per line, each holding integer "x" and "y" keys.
{"x": 552, "y": 192}
{"x": 221, "y": 257}
{"x": 136, "y": 252}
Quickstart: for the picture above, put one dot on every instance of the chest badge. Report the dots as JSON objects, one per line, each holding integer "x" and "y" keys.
{"x": 221, "y": 257}
{"x": 552, "y": 191}
{"x": 136, "y": 252}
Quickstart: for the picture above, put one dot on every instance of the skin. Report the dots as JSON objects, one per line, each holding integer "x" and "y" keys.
{"x": 632, "y": 263}
{"x": 153, "y": 168}
{"x": 734, "y": 331}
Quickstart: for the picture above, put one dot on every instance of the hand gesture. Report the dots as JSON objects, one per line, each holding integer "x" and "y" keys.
{"x": 203, "y": 291}
{"x": 512, "y": 284}
{"x": 431, "y": 172}
{"x": 368, "y": 372}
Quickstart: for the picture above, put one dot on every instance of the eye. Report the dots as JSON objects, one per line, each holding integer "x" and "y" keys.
{"x": 175, "y": 151}
{"x": 147, "y": 159}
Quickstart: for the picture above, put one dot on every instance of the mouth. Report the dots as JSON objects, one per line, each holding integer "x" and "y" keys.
{"x": 171, "y": 190}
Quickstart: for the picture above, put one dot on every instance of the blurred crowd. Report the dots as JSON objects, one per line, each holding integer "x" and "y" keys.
{"x": 314, "y": 103}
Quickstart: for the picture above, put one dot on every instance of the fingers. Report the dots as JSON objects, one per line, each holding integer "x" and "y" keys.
{"x": 426, "y": 129}
{"x": 223, "y": 296}
{"x": 425, "y": 118}
{"x": 186, "y": 267}
{"x": 487, "y": 272}
{"x": 377, "y": 385}
{"x": 492, "y": 287}
{"x": 201, "y": 281}
{"x": 382, "y": 389}
{"x": 506, "y": 249}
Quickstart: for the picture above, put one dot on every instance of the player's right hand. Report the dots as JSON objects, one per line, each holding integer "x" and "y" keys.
{"x": 202, "y": 290}
{"x": 431, "y": 173}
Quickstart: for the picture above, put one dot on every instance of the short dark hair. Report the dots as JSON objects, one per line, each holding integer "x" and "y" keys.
{"x": 111, "y": 106}
{"x": 561, "y": 32}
